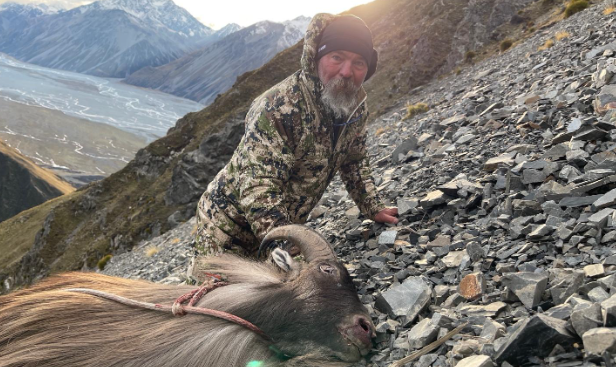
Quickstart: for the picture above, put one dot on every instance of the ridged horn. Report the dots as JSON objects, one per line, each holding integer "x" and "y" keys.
{"x": 310, "y": 242}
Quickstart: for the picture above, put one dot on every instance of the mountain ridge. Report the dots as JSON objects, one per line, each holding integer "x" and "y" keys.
{"x": 207, "y": 72}
{"x": 81, "y": 40}
{"x": 24, "y": 184}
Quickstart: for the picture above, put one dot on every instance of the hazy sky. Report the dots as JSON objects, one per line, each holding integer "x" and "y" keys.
{"x": 218, "y": 13}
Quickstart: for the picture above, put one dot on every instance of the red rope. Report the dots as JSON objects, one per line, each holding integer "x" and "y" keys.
{"x": 177, "y": 309}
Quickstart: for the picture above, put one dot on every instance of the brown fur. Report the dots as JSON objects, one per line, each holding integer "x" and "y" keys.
{"x": 48, "y": 326}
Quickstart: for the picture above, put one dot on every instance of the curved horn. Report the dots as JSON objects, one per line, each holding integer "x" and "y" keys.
{"x": 310, "y": 242}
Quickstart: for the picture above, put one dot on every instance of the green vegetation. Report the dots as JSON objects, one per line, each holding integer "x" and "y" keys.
{"x": 575, "y": 6}
{"x": 416, "y": 109}
{"x": 506, "y": 44}
{"x": 102, "y": 262}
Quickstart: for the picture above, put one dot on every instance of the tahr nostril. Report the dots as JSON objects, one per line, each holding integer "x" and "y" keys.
{"x": 364, "y": 324}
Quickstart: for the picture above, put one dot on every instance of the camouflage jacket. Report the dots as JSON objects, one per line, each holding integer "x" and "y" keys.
{"x": 287, "y": 158}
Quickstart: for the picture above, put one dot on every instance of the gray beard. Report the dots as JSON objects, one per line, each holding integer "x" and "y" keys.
{"x": 340, "y": 97}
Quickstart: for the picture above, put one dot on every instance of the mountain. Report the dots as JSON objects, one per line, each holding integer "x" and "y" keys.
{"x": 23, "y": 184}
{"x": 225, "y": 31}
{"x": 161, "y": 186}
{"x": 205, "y": 73}
{"x": 20, "y": 16}
{"x": 109, "y": 38}
{"x": 160, "y": 14}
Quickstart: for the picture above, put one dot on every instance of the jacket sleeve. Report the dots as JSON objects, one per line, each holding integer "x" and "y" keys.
{"x": 356, "y": 174}
{"x": 266, "y": 162}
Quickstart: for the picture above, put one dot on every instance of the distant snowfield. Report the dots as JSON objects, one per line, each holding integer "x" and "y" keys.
{"x": 143, "y": 112}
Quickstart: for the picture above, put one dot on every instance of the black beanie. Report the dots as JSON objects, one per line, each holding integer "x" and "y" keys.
{"x": 349, "y": 33}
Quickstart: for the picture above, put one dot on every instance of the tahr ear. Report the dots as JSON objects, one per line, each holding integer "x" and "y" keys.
{"x": 283, "y": 260}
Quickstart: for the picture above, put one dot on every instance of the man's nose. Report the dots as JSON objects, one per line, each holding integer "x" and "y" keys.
{"x": 346, "y": 70}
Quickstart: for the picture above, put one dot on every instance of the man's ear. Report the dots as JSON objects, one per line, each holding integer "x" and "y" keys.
{"x": 283, "y": 260}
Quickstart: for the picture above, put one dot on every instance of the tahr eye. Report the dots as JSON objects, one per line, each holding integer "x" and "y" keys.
{"x": 327, "y": 269}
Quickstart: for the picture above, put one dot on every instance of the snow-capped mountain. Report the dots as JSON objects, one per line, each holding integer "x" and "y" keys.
{"x": 227, "y": 30}
{"x": 31, "y": 9}
{"x": 19, "y": 16}
{"x": 157, "y": 13}
{"x": 203, "y": 74}
{"x": 110, "y": 38}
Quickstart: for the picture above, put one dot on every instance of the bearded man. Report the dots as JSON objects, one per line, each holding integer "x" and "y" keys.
{"x": 298, "y": 135}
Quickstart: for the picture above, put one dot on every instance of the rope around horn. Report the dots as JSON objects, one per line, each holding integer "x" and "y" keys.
{"x": 177, "y": 309}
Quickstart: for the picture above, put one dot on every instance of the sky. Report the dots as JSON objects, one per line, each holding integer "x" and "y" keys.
{"x": 218, "y": 13}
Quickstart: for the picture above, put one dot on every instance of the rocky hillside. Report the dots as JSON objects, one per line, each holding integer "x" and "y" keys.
{"x": 506, "y": 189}
{"x": 160, "y": 187}
{"x": 24, "y": 185}
{"x": 205, "y": 73}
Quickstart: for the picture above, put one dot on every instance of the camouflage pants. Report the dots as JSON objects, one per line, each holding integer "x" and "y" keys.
{"x": 218, "y": 233}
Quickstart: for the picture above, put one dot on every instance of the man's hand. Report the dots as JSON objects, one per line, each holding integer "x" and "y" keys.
{"x": 387, "y": 216}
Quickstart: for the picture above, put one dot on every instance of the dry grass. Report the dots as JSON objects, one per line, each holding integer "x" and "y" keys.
{"x": 151, "y": 251}
{"x": 609, "y": 10}
{"x": 562, "y": 35}
{"x": 416, "y": 109}
{"x": 51, "y": 178}
{"x": 549, "y": 43}
{"x": 575, "y": 6}
{"x": 506, "y": 44}
{"x": 381, "y": 130}
{"x": 175, "y": 240}
{"x": 469, "y": 56}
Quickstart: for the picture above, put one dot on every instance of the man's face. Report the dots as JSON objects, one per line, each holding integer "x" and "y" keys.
{"x": 343, "y": 64}
{"x": 342, "y": 73}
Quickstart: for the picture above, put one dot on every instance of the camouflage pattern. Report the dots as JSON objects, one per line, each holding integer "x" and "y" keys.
{"x": 284, "y": 162}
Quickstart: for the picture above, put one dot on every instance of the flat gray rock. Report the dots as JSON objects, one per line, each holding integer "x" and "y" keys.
{"x": 536, "y": 336}
{"x": 405, "y": 300}
{"x": 528, "y": 287}
{"x": 607, "y": 200}
{"x": 600, "y": 340}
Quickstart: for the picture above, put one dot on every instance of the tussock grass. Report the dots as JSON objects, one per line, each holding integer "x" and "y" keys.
{"x": 562, "y": 35}
{"x": 416, "y": 109}
{"x": 609, "y": 10}
{"x": 506, "y": 44}
{"x": 103, "y": 262}
{"x": 575, "y": 6}
{"x": 549, "y": 43}
{"x": 381, "y": 130}
{"x": 151, "y": 251}
{"x": 469, "y": 56}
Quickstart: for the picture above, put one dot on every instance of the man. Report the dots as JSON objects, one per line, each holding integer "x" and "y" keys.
{"x": 298, "y": 135}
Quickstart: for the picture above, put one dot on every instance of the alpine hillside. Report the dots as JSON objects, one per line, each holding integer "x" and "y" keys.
{"x": 23, "y": 184}
{"x": 205, "y": 73}
{"x": 502, "y": 162}
{"x": 160, "y": 187}
{"x": 504, "y": 175}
